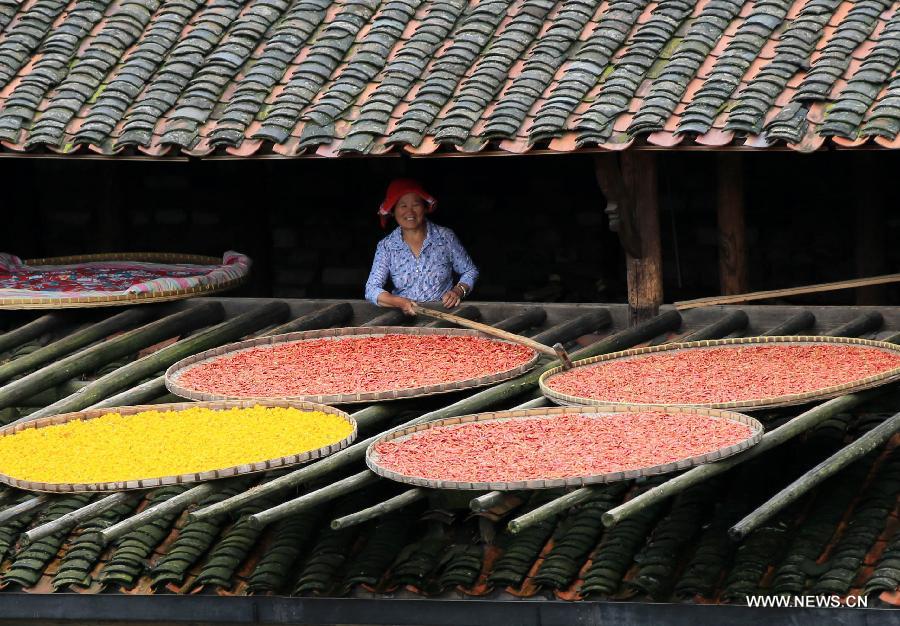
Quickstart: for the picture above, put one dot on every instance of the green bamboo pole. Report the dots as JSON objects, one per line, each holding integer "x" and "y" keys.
{"x": 769, "y": 441}
{"x": 312, "y": 499}
{"x": 873, "y": 439}
{"x": 528, "y": 317}
{"x": 331, "y": 315}
{"x": 867, "y": 322}
{"x": 382, "y": 508}
{"x": 145, "y": 393}
{"x": 152, "y": 389}
{"x": 548, "y": 510}
{"x": 792, "y": 325}
{"x": 33, "y": 329}
{"x": 54, "y": 394}
{"x": 394, "y": 317}
{"x": 105, "y": 386}
{"x": 727, "y": 324}
{"x": 173, "y": 504}
{"x": 472, "y": 404}
{"x": 128, "y": 318}
{"x": 105, "y": 352}
{"x": 78, "y": 516}
{"x": 26, "y": 506}
{"x": 677, "y": 484}
{"x": 468, "y": 312}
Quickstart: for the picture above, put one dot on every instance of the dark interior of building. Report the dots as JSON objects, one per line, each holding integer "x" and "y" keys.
{"x": 535, "y": 225}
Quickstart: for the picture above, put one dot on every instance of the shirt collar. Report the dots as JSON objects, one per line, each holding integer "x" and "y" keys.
{"x": 395, "y": 239}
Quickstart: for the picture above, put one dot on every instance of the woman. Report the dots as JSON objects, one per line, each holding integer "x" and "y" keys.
{"x": 418, "y": 257}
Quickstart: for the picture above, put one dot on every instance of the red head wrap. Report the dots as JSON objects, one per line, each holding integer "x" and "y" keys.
{"x": 398, "y": 188}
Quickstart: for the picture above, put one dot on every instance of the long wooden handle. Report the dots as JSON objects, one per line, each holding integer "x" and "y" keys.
{"x": 791, "y": 291}
{"x": 556, "y": 351}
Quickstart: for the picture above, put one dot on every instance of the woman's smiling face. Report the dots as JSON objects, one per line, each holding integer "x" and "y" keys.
{"x": 410, "y": 211}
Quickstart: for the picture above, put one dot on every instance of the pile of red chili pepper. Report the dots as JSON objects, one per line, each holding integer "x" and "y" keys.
{"x": 563, "y": 446}
{"x": 350, "y": 365}
{"x": 728, "y": 374}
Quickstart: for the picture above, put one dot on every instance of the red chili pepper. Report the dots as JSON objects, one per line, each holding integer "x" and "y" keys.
{"x": 556, "y": 447}
{"x": 712, "y": 375}
{"x": 353, "y": 365}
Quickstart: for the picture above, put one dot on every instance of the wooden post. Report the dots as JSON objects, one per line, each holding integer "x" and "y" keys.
{"x": 732, "y": 232}
{"x": 644, "y": 272}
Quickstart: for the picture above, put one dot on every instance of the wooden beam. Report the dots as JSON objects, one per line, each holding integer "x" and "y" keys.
{"x": 619, "y": 201}
{"x": 732, "y": 231}
{"x": 644, "y": 272}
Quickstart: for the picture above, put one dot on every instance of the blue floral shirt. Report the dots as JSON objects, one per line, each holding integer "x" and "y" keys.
{"x": 422, "y": 279}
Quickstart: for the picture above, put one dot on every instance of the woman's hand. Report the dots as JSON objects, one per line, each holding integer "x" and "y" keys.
{"x": 399, "y": 302}
{"x": 406, "y": 305}
{"x": 452, "y": 298}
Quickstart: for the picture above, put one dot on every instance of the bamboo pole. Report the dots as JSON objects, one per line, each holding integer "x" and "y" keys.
{"x": 548, "y": 510}
{"x": 727, "y": 324}
{"x": 173, "y": 504}
{"x": 472, "y": 404}
{"x": 21, "y": 508}
{"x": 526, "y": 318}
{"x": 792, "y": 325}
{"x": 312, "y": 499}
{"x": 105, "y": 386}
{"x": 379, "y": 510}
{"x": 487, "y": 501}
{"x": 673, "y": 485}
{"x": 867, "y": 322}
{"x": 394, "y": 317}
{"x": 33, "y": 329}
{"x": 108, "y": 351}
{"x": 142, "y": 394}
{"x": 331, "y": 315}
{"x": 78, "y": 516}
{"x": 769, "y": 441}
{"x": 556, "y": 351}
{"x": 791, "y": 291}
{"x": 128, "y": 318}
{"x": 468, "y": 312}
{"x": 153, "y": 389}
{"x": 873, "y": 439}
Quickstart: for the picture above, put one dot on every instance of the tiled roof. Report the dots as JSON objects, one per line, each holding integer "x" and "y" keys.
{"x": 842, "y": 538}
{"x": 335, "y": 77}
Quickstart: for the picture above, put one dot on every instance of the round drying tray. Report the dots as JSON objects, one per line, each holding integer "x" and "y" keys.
{"x": 148, "y": 483}
{"x": 119, "y": 299}
{"x": 176, "y": 370}
{"x": 833, "y": 391}
{"x": 373, "y": 461}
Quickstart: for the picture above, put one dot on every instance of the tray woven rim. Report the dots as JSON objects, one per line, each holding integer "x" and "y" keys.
{"x": 76, "y": 302}
{"x": 176, "y": 369}
{"x": 772, "y": 402}
{"x": 178, "y": 479}
{"x": 372, "y": 460}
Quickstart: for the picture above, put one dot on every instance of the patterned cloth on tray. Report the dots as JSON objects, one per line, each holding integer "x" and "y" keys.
{"x": 107, "y": 278}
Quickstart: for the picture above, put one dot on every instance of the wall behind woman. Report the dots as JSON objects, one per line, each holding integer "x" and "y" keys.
{"x": 534, "y": 225}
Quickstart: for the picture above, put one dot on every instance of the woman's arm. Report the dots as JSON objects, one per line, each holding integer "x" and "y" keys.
{"x": 378, "y": 275}
{"x": 375, "y": 292}
{"x": 462, "y": 265}
{"x": 404, "y": 304}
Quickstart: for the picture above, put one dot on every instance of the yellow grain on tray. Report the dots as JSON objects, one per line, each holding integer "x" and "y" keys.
{"x": 153, "y": 444}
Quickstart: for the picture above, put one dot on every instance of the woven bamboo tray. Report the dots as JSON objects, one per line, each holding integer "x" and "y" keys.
{"x": 372, "y": 457}
{"x": 78, "y": 302}
{"x": 176, "y": 370}
{"x": 744, "y": 405}
{"x": 148, "y": 483}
